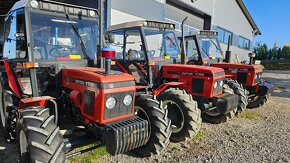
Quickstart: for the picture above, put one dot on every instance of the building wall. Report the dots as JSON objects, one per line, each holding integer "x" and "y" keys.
{"x": 229, "y": 16}
{"x": 130, "y": 10}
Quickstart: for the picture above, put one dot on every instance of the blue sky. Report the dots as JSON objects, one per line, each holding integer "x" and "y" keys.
{"x": 273, "y": 19}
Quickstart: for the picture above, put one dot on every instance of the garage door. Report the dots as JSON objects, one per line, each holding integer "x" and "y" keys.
{"x": 176, "y": 14}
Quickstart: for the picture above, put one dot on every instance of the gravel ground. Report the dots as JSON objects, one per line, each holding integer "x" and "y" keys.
{"x": 261, "y": 135}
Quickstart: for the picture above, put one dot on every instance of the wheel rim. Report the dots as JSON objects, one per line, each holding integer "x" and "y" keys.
{"x": 213, "y": 113}
{"x": 23, "y": 147}
{"x": 253, "y": 99}
{"x": 140, "y": 112}
{"x": 175, "y": 114}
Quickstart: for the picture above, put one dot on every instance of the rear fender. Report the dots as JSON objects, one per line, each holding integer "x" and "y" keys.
{"x": 165, "y": 86}
{"x": 34, "y": 101}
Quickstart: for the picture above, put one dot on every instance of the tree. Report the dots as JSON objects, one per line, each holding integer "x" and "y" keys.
{"x": 279, "y": 53}
{"x": 261, "y": 51}
{"x": 286, "y": 51}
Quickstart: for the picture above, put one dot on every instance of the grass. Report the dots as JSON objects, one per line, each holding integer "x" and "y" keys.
{"x": 249, "y": 115}
{"x": 201, "y": 135}
{"x": 281, "y": 65}
{"x": 90, "y": 157}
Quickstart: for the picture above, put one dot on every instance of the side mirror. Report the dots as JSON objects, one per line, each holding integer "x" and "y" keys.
{"x": 110, "y": 37}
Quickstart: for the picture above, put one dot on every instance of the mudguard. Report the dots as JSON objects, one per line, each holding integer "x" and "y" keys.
{"x": 265, "y": 88}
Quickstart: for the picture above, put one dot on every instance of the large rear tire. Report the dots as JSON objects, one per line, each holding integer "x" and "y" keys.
{"x": 258, "y": 101}
{"x": 241, "y": 92}
{"x": 183, "y": 112}
{"x": 8, "y": 114}
{"x": 148, "y": 108}
{"x": 218, "y": 118}
{"x": 38, "y": 137}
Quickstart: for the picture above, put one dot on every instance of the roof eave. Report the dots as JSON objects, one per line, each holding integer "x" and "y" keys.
{"x": 249, "y": 17}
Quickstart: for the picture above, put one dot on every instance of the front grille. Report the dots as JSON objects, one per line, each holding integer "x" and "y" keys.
{"x": 219, "y": 87}
{"x": 197, "y": 85}
{"x": 242, "y": 77}
{"x": 89, "y": 100}
{"x": 258, "y": 78}
{"x": 120, "y": 109}
{"x": 126, "y": 135}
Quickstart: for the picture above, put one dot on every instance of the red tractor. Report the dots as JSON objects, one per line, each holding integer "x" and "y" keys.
{"x": 204, "y": 49}
{"x": 149, "y": 51}
{"x": 49, "y": 85}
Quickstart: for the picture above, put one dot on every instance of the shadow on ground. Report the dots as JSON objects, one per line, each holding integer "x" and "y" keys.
{"x": 8, "y": 152}
{"x": 282, "y": 87}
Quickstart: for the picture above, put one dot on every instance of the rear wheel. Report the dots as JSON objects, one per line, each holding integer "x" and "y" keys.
{"x": 258, "y": 101}
{"x": 217, "y": 118}
{"x": 241, "y": 92}
{"x": 150, "y": 109}
{"x": 183, "y": 112}
{"x": 38, "y": 137}
{"x": 8, "y": 114}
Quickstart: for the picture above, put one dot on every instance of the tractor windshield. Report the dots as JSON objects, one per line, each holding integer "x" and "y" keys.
{"x": 209, "y": 48}
{"x": 54, "y": 38}
{"x": 161, "y": 44}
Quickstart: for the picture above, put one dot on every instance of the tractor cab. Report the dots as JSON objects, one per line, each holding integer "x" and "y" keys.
{"x": 142, "y": 47}
{"x": 203, "y": 48}
{"x": 42, "y": 37}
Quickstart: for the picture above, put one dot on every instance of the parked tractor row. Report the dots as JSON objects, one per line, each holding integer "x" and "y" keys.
{"x": 55, "y": 97}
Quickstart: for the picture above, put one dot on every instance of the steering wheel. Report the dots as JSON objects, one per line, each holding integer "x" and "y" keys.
{"x": 194, "y": 57}
{"x": 152, "y": 53}
{"x": 61, "y": 51}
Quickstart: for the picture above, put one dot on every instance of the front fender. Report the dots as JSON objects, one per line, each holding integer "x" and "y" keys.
{"x": 265, "y": 88}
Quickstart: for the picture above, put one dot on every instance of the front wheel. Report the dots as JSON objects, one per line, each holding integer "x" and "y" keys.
{"x": 241, "y": 92}
{"x": 216, "y": 118}
{"x": 38, "y": 137}
{"x": 258, "y": 101}
{"x": 148, "y": 108}
{"x": 183, "y": 112}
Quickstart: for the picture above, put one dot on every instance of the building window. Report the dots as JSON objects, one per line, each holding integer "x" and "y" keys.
{"x": 178, "y": 26}
{"x": 223, "y": 35}
{"x": 244, "y": 43}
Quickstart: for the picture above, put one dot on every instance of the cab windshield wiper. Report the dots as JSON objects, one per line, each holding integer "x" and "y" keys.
{"x": 83, "y": 47}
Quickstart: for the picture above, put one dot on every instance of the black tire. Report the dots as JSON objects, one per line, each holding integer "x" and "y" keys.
{"x": 258, "y": 101}
{"x": 8, "y": 113}
{"x": 148, "y": 108}
{"x": 241, "y": 92}
{"x": 217, "y": 118}
{"x": 183, "y": 112}
{"x": 38, "y": 137}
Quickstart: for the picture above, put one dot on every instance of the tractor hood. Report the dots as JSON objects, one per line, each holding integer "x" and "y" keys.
{"x": 238, "y": 66}
{"x": 193, "y": 70}
{"x": 96, "y": 76}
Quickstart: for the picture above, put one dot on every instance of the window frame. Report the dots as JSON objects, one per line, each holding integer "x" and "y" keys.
{"x": 243, "y": 46}
{"x": 225, "y": 40}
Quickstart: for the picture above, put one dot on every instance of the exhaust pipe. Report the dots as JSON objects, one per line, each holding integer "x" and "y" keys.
{"x": 228, "y": 56}
{"x": 183, "y": 61}
{"x": 108, "y": 54}
{"x": 252, "y": 56}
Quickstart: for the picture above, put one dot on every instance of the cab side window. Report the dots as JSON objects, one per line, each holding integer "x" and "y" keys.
{"x": 15, "y": 42}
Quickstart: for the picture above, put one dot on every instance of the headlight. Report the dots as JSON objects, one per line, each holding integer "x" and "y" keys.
{"x": 128, "y": 99}
{"x": 111, "y": 103}
{"x": 221, "y": 83}
{"x": 215, "y": 85}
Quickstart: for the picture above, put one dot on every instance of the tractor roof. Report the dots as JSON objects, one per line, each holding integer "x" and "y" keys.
{"x": 142, "y": 23}
{"x": 20, "y": 4}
